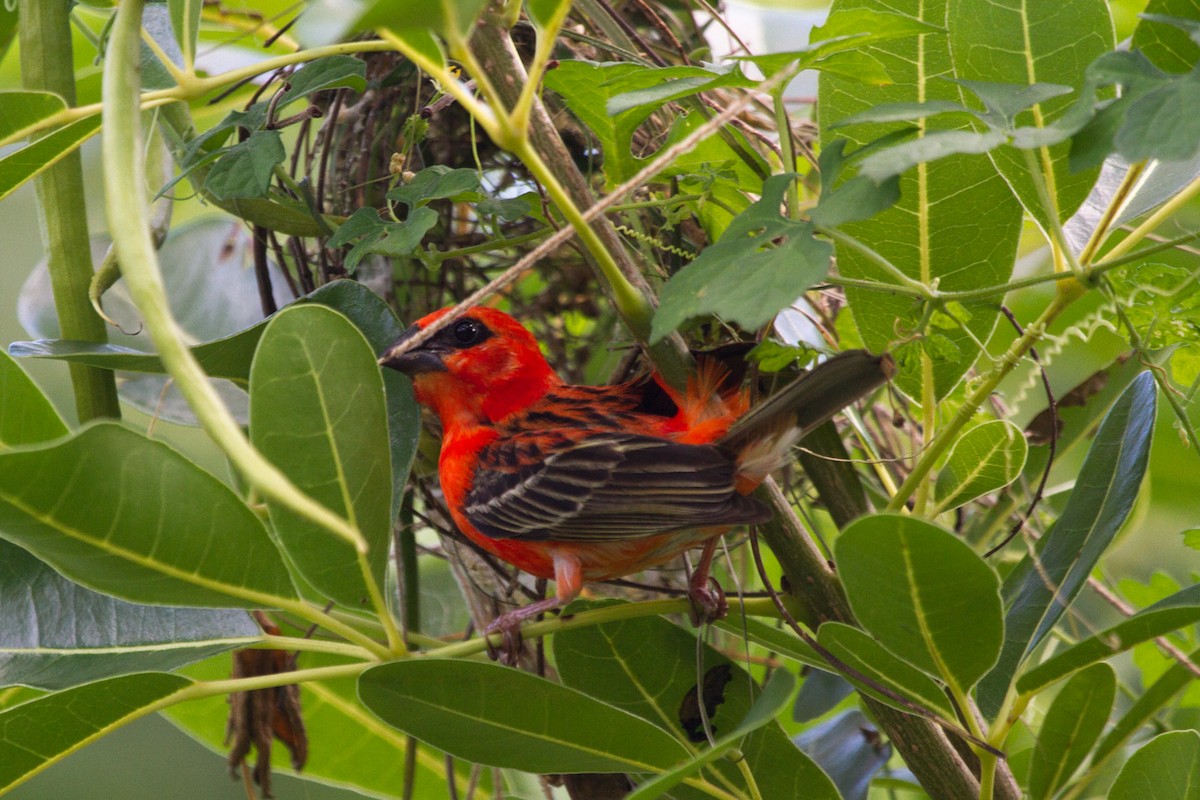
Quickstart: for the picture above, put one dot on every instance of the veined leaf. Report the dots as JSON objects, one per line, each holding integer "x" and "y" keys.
{"x": 58, "y": 634}
{"x": 505, "y": 718}
{"x": 35, "y": 158}
{"x": 128, "y": 516}
{"x": 857, "y": 649}
{"x": 1043, "y": 42}
{"x": 317, "y": 412}
{"x": 1167, "y": 768}
{"x": 1072, "y": 725}
{"x": 45, "y": 730}
{"x": 985, "y": 459}
{"x": 956, "y": 223}
{"x": 924, "y": 594}
{"x": 19, "y": 110}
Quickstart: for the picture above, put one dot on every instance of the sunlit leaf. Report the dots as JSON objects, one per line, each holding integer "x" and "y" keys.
{"x": 32, "y": 159}
{"x": 41, "y": 732}
{"x": 924, "y": 594}
{"x": 128, "y": 516}
{"x": 985, "y": 459}
{"x": 317, "y": 412}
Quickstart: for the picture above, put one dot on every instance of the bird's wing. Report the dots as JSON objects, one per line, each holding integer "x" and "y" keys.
{"x": 603, "y": 487}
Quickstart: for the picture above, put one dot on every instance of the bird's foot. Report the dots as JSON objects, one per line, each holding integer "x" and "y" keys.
{"x": 708, "y": 601}
{"x": 508, "y": 625}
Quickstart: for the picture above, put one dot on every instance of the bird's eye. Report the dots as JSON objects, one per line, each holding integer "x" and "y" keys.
{"x": 467, "y": 332}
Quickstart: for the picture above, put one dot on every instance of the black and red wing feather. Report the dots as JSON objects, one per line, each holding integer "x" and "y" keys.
{"x": 603, "y": 487}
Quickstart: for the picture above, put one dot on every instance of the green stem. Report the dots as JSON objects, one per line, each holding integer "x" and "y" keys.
{"x": 905, "y": 283}
{"x": 946, "y": 436}
{"x": 124, "y": 176}
{"x": 47, "y": 64}
{"x": 1154, "y": 220}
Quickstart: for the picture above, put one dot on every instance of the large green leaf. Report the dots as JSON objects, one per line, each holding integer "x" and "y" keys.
{"x": 230, "y": 357}
{"x": 128, "y": 516}
{"x": 1027, "y": 43}
{"x": 924, "y": 594}
{"x": 1072, "y": 725}
{"x": 26, "y": 415}
{"x": 612, "y": 663}
{"x": 1168, "y": 768}
{"x": 1037, "y": 594}
{"x": 1170, "y": 614}
{"x": 58, "y": 634}
{"x": 185, "y": 21}
{"x": 317, "y": 411}
{"x": 957, "y": 222}
{"x": 985, "y": 459}
{"x": 43, "y": 731}
{"x": 505, "y": 718}
{"x": 1147, "y": 706}
{"x": 348, "y": 745}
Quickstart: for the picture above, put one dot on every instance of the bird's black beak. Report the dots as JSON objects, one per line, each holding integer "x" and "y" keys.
{"x": 424, "y": 358}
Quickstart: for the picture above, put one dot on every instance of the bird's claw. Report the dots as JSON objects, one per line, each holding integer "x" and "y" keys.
{"x": 509, "y": 628}
{"x": 708, "y": 601}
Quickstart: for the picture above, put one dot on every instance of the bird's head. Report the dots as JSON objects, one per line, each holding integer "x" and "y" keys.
{"x": 480, "y": 368}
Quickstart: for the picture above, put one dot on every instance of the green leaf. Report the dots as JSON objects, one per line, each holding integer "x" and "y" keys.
{"x": 898, "y": 159}
{"x": 502, "y": 717}
{"x": 438, "y": 182}
{"x": 1160, "y": 123}
{"x": 1026, "y": 45}
{"x": 331, "y": 72}
{"x": 8, "y": 27}
{"x": 26, "y": 415}
{"x": 245, "y": 170}
{"x": 924, "y": 594}
{"x": 185, "y": 20}
{"x": 21, "y": 109}
{"x": 231, "y": 357}
{"x": 985, "y": 459}
{"x": 317, "y": 412}
{"x": 1168, "y": 768}
{"x": 1108, "y": 483}
{"x": 450, "y": 18}
{"x": 780, "y": 642}
{"x": 24, "y": 163}
{"x": 1071, "y": 727}
{"x": 1170, "y": 614}
{"x": 774, "y": 697}
{"x": 762, "y": 263}
{"x": 858, "y": 650}
{"x": 654, "y": 87}
{"x": 58, "y": 634}
{"x": 43, "y": 731}
{"x": 944, "y": 205}
{"x": 364, "y": 752}
{"x": 661, "y": 684}
{"x": 1167, "y": 46}
{"x": 128, "y": 516}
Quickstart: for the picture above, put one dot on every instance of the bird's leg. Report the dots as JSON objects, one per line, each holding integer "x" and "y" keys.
{"x": 568, "y": 582}
{"x": 708, "y": 600}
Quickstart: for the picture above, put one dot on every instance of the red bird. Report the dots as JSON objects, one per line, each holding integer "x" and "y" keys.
{"x": 591, "y": 483}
